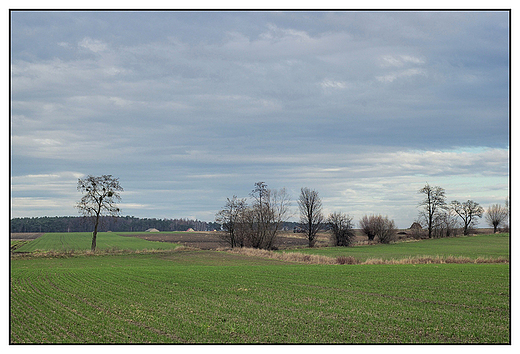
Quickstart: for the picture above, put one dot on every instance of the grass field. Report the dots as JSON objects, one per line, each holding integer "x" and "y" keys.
{"x": 81, "y": 241}
{"x": 191, "y": 296}
{"x": 486, "y": 246}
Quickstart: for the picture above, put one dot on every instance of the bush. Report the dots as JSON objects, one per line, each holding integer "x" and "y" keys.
{"x": 346, "y": 260}
{"x": 380, "y": 227}
{"x": 342, "y": 229}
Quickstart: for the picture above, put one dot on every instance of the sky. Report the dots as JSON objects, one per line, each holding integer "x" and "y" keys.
{"x": 190, "y": 108}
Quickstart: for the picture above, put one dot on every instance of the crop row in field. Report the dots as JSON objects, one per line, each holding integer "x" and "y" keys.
{"x": 82, "y": 241}
{"x": 216, "y": 297}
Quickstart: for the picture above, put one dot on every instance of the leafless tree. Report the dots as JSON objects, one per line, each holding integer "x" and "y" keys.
{"x": 496, "y": 215}
{"x": 468, "y": 212}
{"x": 311, "y": 215}
{"x": 342, "y": 229}
{"x": 434, "y": 201}
{"x": 366, "y": 225}
{"x": 265, "y": 217}
{"x": 385, "y": 229}
{"x": 445, "y": 223}
{"x": 101, "y": 194}
{"x": 231, "y": 219}
{"x": 380, "y": 226}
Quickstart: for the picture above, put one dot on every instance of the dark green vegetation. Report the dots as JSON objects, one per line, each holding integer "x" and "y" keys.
{"x": 120, "y": 223}
{"x": 485, "y": 246}
{"x": 186, "y": 296}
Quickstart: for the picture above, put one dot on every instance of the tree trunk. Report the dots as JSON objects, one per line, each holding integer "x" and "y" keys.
{"x": 94, "y": 235}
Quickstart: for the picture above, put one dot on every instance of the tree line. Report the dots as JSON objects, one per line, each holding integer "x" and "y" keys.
{"x": 256, "y": 223}
{"x": 107, "y": 223}
{"x": 443, "y": 219}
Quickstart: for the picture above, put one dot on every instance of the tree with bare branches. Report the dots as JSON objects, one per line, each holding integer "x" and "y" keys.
{"x": 101, "y": 194}
{"x": 496, "y": 215}
{"x": 434, "y": 200}
{"x": 342, "y": 229}
{"x": 231, "y": 219}
{"x": 365, "y": 223}
{"x": 265, "y": 217}
{"x": 377, "y": 225}
{"x": 468, "y": 212}
{"x": 311, "y": 215}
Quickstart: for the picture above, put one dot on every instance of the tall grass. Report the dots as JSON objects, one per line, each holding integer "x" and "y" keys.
{"x": 319, "y": 259}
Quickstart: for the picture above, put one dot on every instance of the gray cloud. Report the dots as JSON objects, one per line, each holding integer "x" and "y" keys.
{"x": 188, "y": 108}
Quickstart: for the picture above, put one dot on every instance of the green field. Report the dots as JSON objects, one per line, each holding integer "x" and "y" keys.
{"x": 485, "y": 246}
{"x": 188, "y": 296}
{"x": 81, "y": 241}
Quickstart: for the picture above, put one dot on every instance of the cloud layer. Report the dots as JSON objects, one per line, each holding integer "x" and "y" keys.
{"x": 188, "y": 108}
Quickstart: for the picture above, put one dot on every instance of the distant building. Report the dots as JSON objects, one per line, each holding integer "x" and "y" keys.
{"x": 416, "y": 225}
{"x": 152, "y": 230}
{"x": 190, "y": 230}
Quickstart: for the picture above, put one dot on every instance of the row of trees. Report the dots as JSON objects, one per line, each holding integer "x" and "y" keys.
{"x": 445, "y": 219}
{"x": 257, "y": 224}
{"x": 341, "y": 225}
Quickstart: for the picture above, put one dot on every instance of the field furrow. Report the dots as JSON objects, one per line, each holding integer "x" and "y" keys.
{"x": 190, "y": 297}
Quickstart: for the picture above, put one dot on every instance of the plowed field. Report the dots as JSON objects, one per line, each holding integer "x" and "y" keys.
{"x": 211, "y": 240}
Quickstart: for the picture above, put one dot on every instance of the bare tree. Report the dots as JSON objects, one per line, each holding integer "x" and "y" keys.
{"x": 231, "y": 219}
{"x": 265, "y": 217}
{"x": 385, "y": 229}
{"x": 100, "y": 197}
{"x": 342, "y": 229}
{"x": 468, "y": 212}
{"x": 445, "y": 223}
{"x": 365, "y": 223}
{"x": 496, "y": 215}
{"x": 311, "y": 215}
{"x": 377, "y": 225}
{"x": 434, "y": 200}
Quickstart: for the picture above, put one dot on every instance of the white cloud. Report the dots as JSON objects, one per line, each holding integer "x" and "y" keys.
{"x": 401, "y": 74}
{"x": 327, "y": 83}
{"x": 94, "y": 45}
{"x": 400, "y": 60}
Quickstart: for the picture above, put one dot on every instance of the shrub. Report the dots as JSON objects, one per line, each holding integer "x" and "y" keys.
{"x": 342, "y": 229}
{"x": 346, "y": 260}
{"x": 377, "y": 225}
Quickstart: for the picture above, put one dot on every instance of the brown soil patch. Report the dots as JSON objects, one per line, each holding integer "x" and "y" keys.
{"x": 207, "y": 240}
{"x": 210, "y": 240}
{"x": 25, "y": 235}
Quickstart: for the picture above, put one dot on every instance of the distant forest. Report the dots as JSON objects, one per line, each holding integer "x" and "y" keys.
{"x": 107, "y": 223}
{"x": 116, "y": 224}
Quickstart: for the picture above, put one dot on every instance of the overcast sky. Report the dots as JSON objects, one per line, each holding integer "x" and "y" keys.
{"x": 189, "y": 108}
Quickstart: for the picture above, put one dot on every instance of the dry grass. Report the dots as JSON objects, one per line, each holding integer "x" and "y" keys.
{"x": 282, "y": 256}
{"x": 318, "y": 259}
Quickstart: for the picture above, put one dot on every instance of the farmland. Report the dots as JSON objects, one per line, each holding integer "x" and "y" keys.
{"x": 181, "y": 295}
{"x": 82, "y": 240}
